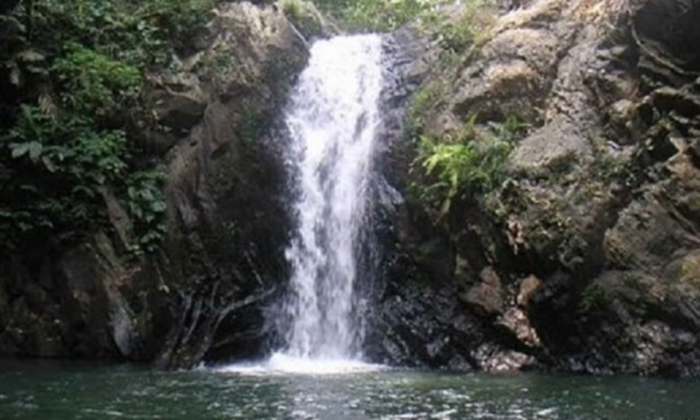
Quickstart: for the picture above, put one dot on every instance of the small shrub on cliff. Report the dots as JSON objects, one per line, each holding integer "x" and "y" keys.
{"x": 466, "y": 162}
{"x": 594, "y": 298}
{"x": 304, "y": 19}
{"x": 147, "y": 206}
{"x": 292, "y": 9}
{"x": 421, "y": 103}
{"x": 458, "y": 34}
{"x": 92, "y": 83}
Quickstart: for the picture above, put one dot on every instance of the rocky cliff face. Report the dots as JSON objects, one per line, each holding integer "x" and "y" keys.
{"x": 586, "y": 259}
{"x": 203, "y": 294}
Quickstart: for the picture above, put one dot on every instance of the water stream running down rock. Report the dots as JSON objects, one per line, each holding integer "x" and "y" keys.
{"x": 332, "y": 120}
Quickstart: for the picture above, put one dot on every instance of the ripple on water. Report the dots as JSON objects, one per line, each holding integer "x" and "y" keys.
{"x": 388, "y": 394}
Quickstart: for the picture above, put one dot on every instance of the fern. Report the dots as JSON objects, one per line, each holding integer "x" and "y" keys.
{"x": 466, "y": 162}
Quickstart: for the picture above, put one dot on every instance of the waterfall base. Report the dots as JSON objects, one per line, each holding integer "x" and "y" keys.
{"x": 284, "y": 364}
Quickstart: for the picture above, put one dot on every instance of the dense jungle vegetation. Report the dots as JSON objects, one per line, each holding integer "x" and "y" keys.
{"x": 71, "y": 81}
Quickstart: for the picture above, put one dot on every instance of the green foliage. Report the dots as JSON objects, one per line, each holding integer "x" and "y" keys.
{"x": 376, "y": 15}
{"x": 292, "y": 9}
{"x": 385, "y": 15}
{"x": 388, "y": 15}
{"x": 59, "y": 166}
{"x": 146, "y": 204}
{"x": 298, "y": 12}
{"x": 68, "y": 147}
{"x": 142, "y": 33}
{"x": 690, "y": 271}
{"x": 466, "y": 162}
{"x": 93, "y": 83}
{"x": 72, "y": 84}
{"x": 594, "y": 298}
{"x": 70, "y": 166}
{"x": 421, "y": 102}
{"x": 458, "y": 34}
{"x": 222, "y": 58}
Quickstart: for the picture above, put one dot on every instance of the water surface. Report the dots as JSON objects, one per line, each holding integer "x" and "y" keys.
{"x": 58, "y": 391}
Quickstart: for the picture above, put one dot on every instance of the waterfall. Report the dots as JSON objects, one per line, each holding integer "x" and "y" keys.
{"x": 332, "y": 119}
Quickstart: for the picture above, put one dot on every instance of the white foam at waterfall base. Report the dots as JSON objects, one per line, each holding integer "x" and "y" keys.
{"x": 283, "y": 364}
{"x": 332, "y": 120}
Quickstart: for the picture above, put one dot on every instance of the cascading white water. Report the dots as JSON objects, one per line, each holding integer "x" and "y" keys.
{"x": 333, "y": 119}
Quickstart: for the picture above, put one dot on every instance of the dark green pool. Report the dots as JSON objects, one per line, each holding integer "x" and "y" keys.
{"x": 57, "y": 391}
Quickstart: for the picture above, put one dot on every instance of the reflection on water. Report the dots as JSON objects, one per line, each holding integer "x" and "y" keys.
{"x": 58, "y": 391}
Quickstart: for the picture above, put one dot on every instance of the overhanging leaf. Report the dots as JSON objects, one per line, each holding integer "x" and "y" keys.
{"x": 15, "y": 76}
{"x": 35, "y": 149}
{"x": 19, "y": 150}
{"x": 30, "y": 56}
{"x": 48, "y": 163}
